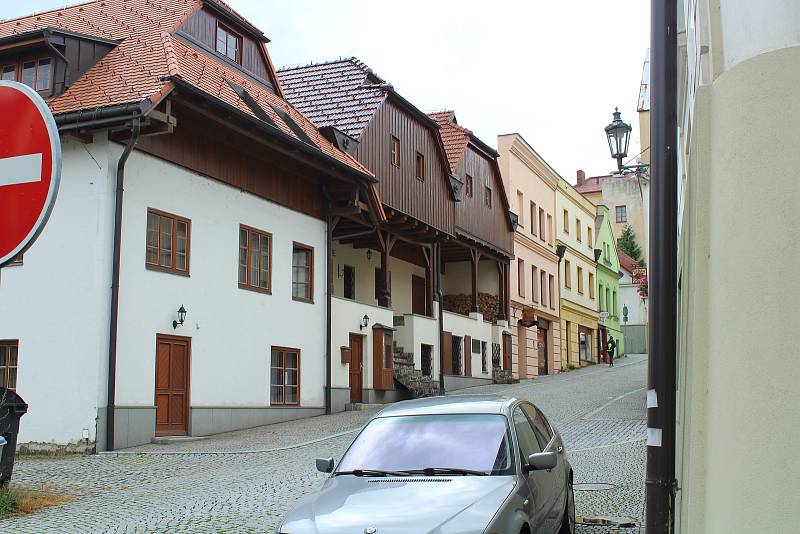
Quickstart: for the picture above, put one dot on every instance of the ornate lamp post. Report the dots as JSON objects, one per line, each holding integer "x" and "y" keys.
{"x": 618, "y": 135}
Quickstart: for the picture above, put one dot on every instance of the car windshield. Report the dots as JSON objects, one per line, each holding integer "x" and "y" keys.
{"x": 471, "y": 442}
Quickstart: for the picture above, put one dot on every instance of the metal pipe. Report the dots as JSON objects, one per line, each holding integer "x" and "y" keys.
{"x": 98, "y": 116}
{"x": 440, "y": 298}
{"x": 661, "y": 374}
{"x": 115, "y": 275}
{"x": 328, "y": 318}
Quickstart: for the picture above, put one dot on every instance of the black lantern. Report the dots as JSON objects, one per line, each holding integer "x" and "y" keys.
{"x": 618, "y": 134}
{"x": 364, "y": 322}
{"x": 181, "y": 317}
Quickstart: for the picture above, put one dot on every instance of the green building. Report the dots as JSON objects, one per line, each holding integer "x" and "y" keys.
{"x": 608, "y": 275}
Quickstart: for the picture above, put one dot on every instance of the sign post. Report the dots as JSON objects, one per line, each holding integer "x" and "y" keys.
{"x": 30, "y": 167}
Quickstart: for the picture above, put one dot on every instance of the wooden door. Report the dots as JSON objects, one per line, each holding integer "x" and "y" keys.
{"x": 418, "y": 296}
{"x": 447, "y": 353}
{"x": 507, "y": 351}
{"x": 603, "y": 338}
{"x": 543, "y": 354}
{"x": 356, "y": 367}
{"x": 173, "y": 356}
{"x": 467, "y": 356}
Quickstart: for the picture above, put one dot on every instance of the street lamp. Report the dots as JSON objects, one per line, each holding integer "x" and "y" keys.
{"x": 181, "y": 317}
{"x": 618, "y": 135}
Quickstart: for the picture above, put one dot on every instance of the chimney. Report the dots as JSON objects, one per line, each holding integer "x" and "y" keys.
{"x": 581, "y": 177}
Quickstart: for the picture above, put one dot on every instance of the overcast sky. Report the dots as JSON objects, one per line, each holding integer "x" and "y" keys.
{"x": 552, "y": 70}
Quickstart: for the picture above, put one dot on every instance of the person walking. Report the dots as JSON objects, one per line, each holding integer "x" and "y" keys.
{"x": 611, "y": 347}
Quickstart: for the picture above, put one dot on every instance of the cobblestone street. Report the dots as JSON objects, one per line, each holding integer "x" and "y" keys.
{"x": 245, "y": 481}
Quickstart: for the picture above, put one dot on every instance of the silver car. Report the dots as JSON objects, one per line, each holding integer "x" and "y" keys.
{"x": 463, "y": 464}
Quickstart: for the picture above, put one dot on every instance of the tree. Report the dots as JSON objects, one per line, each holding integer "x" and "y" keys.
{"x": 627, "y": 243}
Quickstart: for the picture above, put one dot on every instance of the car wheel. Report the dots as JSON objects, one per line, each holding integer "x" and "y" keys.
{"x": 568, "y": 523}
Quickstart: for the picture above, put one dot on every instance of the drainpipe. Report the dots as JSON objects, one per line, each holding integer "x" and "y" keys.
{"x": 112, "y": 330}
{"x": 328, "y": 319}
{"x": 661, "y": 374}
{"x": 440, "y": 296}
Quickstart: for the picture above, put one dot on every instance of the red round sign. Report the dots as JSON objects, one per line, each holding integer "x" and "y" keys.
{"x": 30, "y": 167}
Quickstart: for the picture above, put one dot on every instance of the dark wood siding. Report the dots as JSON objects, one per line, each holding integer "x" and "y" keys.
{"x": 473, "y": 217}
{"x": 235, "y": 161}
{"x": 202, "y": 26}
{"x": 428, "y": 200}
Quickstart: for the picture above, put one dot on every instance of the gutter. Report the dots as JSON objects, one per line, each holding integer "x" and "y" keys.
{"x": 100, "y": 117}
{"x": 113, "y": 322}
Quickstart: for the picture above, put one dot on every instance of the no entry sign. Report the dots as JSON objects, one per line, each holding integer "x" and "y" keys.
{"x": 30, "y": 167}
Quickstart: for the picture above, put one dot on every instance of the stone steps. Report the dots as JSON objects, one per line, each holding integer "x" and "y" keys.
{"x": 412, "y": 378}
{"x": 503, "y": 376}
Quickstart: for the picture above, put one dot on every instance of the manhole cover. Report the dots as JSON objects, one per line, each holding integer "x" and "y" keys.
{"x": 594, "y": 486}
{"x": 607, "y": 521}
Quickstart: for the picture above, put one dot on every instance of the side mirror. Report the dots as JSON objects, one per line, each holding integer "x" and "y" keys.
{"x": 541, "y": 461}
{"x": 324, "y": 465}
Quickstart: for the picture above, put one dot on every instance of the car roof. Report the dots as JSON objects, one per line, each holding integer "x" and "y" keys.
{"x": 451, "y": 404}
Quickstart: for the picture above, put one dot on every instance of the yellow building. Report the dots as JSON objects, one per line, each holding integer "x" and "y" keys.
{"x": 575, "y": 230}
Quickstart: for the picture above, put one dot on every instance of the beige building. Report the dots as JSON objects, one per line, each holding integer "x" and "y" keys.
{"x": 535, "y": 300}
{"x": 575, "y": 232}
{"x": 737, "y": 392}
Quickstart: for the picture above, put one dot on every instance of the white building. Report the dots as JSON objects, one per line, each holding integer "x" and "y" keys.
{"x": 223, "y": 215}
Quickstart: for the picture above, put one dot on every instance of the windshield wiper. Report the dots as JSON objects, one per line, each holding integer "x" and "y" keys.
{"x": 430, "y": 471}
{"x": 372, "y": 473}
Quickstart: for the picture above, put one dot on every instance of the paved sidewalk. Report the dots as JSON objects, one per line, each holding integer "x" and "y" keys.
{"x": 221, "y": 485}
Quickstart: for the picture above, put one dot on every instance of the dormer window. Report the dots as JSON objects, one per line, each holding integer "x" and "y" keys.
{"x": 35, "y": 73}
{"x": 229, "y": 44}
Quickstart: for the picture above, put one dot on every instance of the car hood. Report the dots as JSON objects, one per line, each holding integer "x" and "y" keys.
{"x": 433, "y": 505}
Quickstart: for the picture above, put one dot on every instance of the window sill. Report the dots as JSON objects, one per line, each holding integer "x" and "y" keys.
{"x": 301, "y": 299}
{"x": 264, "y": 290}
{"x": 168, "y": 270}
{"x": 283, "y": 404}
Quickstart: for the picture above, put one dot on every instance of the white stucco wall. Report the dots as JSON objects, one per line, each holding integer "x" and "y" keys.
{"x": 57, "y": 303}
{"x": 457, "y": 278}
{"x": 478, "y": 329}
{"x": 629, "y": 296}
{"x": 346, "y": 316}
{"x": 232, "y": 329}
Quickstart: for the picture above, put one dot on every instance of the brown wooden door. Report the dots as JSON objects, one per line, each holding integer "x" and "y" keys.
{"x": 447, "y": 353}
{"x": 356, "y": 367}
{"x": 543, "y": 354}
{"x": 467, "y": 356}
{"x": 173, "y": 356}
{"x": 418, "y": 296}
{"x": 507, "y": 351}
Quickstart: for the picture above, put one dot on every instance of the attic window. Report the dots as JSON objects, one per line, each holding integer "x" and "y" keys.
{"x": 35, "y": 73}
{"x": 229, "y": 44}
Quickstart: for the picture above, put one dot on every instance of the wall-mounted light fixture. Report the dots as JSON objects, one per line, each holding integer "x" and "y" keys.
{"x": 181, "y": 317}
{"x": 364, "y": 322}
{"x": 369, "y": 254}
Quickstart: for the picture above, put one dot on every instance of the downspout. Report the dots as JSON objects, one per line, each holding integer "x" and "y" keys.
{"x": 112, "y": 329}
{"x": 440, "y": 296}
{"x": 328, "y": 297}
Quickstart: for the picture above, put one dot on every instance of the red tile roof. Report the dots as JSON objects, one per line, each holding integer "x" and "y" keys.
{"x": 625, "y": 261}
{"x": 344, "y": 93}
{"x": 148, "y": 54}
{"x": 454, "y": 137}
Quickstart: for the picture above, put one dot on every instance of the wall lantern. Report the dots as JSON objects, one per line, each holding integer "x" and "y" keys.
{"x": 364, "y": 322}
{"x": 369, "y": 254}
{"x": 181, "y": 317}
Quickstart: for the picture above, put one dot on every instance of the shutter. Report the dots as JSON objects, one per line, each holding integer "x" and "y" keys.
{"x": 447, "y": 353}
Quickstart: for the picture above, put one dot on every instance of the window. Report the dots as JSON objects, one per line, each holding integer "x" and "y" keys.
{"x": 542, "y": 288}
{"x": 469, "y": 186}
{"x": 487, "y": 197}
{"x": 589, "y": 236}
{"x": 566, "y": 222}
{"x": 567, "y": 274}
{"x": 388, "y": 352}
{"x": 549, "y": 229}
{"x": 484, "y": 359}
{"x": 420, "y": 166}
{"x": 8, "y": 364}
{"x": 535, "y": 283}
{"x": 580, "y": 279}
{"x": 542, "y": 235}
{"x": 533, "y": 218}
{"x": 255, "y": 259}
{"x": 578, "y": 230}
{"x": 540, "y": 425}
{"x": 608, "y": 300}
{"x": 10, "y": 72}
{"x": 35, "y": 73}
{"x": 602, "y": 302}
{"x": 229, "y": 44}
{"x": 395, "y": 151}
{"x": 552, "y": 291}
{"x": 528, "y": 444}
{"x": 43, "y": 71}
{"x": 591, "y": 285}
{"x": 285, "y": 376}
{"x": 622, "y": 214}
{"x": 614, "y": 305}
{"x": 349, "y": 282}
{"x": 302, "y": 273}
{"x": 167, "y": 242}
{"x": 520, "y": 209}
{"x": 521, "y": 277}
{"x": 29, "y": 73}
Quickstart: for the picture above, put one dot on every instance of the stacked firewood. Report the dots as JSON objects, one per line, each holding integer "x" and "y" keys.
{"x": 488, "y": 304}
